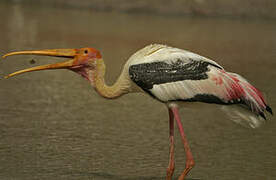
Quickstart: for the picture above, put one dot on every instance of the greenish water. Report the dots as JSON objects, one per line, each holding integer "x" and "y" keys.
{"x": 54, "y": 126}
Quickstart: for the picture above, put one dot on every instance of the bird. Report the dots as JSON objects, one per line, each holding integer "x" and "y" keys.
{"x": 172, "y": 76}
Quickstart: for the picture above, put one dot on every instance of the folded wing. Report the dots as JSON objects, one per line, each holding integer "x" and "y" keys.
{"x": 201, "y": 81}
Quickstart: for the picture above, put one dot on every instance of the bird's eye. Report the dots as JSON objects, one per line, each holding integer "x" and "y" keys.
{"x": 85, "y": 51}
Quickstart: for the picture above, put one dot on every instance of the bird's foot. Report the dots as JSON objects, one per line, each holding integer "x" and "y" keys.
{"x": 189, "y": 165}
{"x": 170, "y": 173}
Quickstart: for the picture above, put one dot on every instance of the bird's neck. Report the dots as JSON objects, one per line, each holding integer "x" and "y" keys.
{"x": 119, "y": 88}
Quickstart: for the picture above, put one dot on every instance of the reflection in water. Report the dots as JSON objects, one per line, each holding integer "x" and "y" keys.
{"x": 53, "y": 124}
{"x": 114, "y": 177}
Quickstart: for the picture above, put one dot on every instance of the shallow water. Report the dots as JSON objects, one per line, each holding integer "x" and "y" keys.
{"x": 54, "y": 126}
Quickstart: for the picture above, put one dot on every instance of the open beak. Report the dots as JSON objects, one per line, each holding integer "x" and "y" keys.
{"x": 68, "y": 53}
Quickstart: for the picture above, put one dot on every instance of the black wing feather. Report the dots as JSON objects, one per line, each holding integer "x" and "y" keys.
{"x": 146, "y": 75}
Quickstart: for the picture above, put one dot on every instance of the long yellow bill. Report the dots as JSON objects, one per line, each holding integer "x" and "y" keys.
{"x": 69, "y": 53}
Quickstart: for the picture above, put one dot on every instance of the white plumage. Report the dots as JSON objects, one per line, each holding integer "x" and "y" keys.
{"x": 218, "y": 87}
{"x": 159, "y": 52}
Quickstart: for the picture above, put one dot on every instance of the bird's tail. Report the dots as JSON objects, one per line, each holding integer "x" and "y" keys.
{"x": 250, "y": 107}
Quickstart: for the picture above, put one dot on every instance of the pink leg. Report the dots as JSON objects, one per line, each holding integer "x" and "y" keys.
{"x": 170, "y": 168}
{"x": 189, "y": 158}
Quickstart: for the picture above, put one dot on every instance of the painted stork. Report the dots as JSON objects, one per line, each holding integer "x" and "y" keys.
{"x": 172, "y": 76}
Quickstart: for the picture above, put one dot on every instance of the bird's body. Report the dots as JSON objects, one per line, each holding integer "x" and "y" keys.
{"x": 171, "y": 76}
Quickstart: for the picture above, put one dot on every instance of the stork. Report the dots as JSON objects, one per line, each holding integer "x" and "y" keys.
{"x": 171, "y": 76}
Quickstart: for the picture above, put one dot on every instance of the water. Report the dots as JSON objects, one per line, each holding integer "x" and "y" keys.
{"x": 54, "y": 126}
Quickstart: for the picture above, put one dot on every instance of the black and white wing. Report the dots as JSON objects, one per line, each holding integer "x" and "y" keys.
{"x": 170, "y": 74}
{"x": 170, "y": 81}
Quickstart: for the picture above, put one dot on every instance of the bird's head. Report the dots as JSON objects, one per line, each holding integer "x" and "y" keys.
{"x": 83, "y": 61}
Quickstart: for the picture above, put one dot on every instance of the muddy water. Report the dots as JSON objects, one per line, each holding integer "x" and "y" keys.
{"x": 54, "y": 126}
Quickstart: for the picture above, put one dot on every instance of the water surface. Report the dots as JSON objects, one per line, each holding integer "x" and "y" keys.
{"x": 54, "y": 126}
